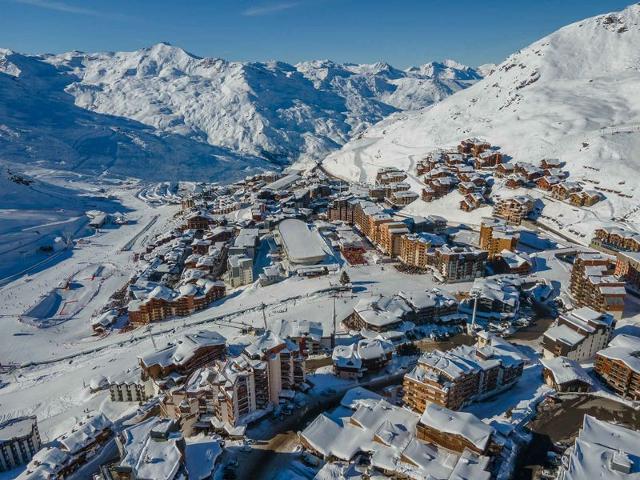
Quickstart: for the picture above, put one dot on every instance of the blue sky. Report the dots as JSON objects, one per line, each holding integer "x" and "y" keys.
{"x": 400, "y": 32}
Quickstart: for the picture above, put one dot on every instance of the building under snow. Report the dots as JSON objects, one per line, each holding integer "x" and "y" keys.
{"x": 578, "y": 334}
{"x": 602, "y": 450}
{"x": 386, "y": 434}
{"x": 463, "y": 374}
{"x": 301, "y": 244}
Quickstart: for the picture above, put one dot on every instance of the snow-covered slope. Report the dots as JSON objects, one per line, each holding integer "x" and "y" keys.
{"x": 573, "y": 95}
{"x": 164, "y": 113}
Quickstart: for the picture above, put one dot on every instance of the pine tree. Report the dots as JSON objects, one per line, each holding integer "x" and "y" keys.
{"x": 344, "y": 278}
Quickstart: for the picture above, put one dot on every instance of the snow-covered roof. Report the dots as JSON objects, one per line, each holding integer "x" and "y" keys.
{"x": 382, "y": 311}
{"x": 84, "y": 433}
{"x": 387, "y": 432}
{"x": 182, "y": 351}
{"x": 625, "y": 348}
{"x": 565, "y": 370}
{"x": 263, "y": 344}
{"x": 603, "y": 450}
{"x": 201, "y": 454}
{"x": 16, "y": 428}
{"x": 301, "y": 244}
{"x": 564, "y": 334}
{"x": 463, "y": 424}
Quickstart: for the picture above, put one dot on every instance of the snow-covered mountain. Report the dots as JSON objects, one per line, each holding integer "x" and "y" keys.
{"x": 162, "y": 111}
{"x": 573, "y": 95}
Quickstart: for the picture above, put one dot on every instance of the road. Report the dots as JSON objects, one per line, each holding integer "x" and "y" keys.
{"x": 129, "y": 245}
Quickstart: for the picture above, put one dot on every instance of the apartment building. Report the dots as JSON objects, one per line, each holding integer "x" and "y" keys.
{"x": 457, "y": 431}
{"x": 183, "y": 356}
{"x": 628, "y": 269}
{"x": 593, "y": 284}
{"x": 19, "y": 442}
{"x": 601, "y": 450}
{"x": 368, "y": 217}
{"x": 367, "y": 355}
{"x": 578, "y": 335}
{"x": 70, "y": 451}
{"x": 617, "y": 239}
{"x": 129, "y": 387}
{"x": 618, "y": 366}
{"x": 391, "y": 234}
{"x": 473, "y": 146}
{"x": 417, "y": 249}
{"x": 514, "y": 209}
{"x": 163, "y": 302}
{"x": 240, "y": 270}
{"x": 459, "y": 264}
{"x": 342, "y": 209}
{"x": 387, "y": 175}
{"x": 463, "y": 374}
{"x": 496, "y": 236}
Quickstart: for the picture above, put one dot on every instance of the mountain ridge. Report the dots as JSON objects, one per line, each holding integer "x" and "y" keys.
{"x": 272, "y": 113}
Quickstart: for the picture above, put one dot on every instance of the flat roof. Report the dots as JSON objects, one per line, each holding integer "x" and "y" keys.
{"x": 301, "y": 244}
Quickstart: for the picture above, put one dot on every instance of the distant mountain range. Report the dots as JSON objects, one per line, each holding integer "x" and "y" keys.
{"x": 162, "y": 113}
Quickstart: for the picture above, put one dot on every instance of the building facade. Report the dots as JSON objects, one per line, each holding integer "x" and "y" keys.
{"x": 19, "y": 442}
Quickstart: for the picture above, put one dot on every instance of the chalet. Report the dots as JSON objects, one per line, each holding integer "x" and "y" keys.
{"x": 585, "y": 198}
{"x": 565, "y": 375}
{"x": 547, "y": 183}
{"x": 402, "y": 198}
{"x": 199, "y": 220}
{"x": 528, "y": 171}
{"x": 473, "y": 146}
{"x": 430, "y": 162}
{"x": 487, "y": 159}
{"x": 368, "y": 355}
{"x": 454, "y": 159}
{"x": 471, "y": 201}
{"x": 504, "y": 169}
{"x": 550, "y": 163}
{"x": 515, "y": 181}
{"x": 457, "y": 431}
{"x": 469, "y": 187}
{"x": 562, "y": 190}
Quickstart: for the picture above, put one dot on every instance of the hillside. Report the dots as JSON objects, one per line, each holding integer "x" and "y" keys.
{"x": 162, "y": 113}
{"x": 573, "y": 95}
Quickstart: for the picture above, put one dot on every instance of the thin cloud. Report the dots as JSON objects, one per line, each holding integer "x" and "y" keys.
{"x": 66, "y": 8}
{"x": 270, "y": 8}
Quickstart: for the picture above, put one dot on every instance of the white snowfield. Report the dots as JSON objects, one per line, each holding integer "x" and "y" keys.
{"x": 573, "y": 95}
